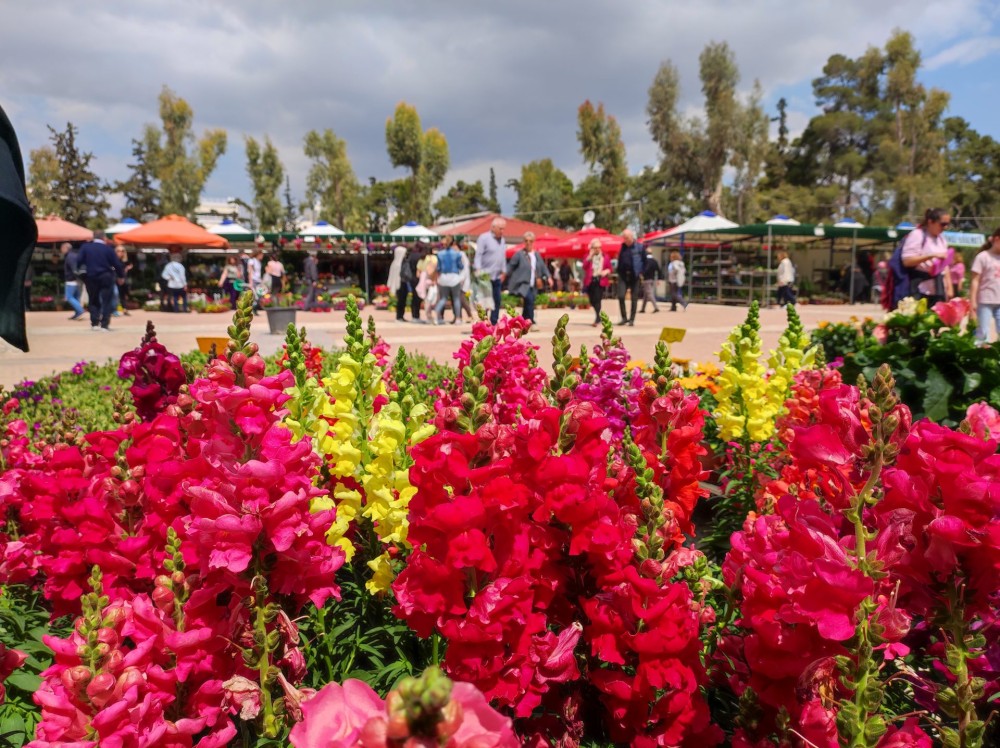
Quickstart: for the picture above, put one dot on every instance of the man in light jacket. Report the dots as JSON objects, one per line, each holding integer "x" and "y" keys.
{"x": 491, "y": 255}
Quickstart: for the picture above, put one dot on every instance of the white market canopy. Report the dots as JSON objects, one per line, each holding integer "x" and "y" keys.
{"x": 321, "y": 228}
{"x": 782, "y": 220}
{"x": 413, "y": 230}
{"x": 229, "y": 228}
{"x": 703, "y": 224}
{"x": 126, "y": 224}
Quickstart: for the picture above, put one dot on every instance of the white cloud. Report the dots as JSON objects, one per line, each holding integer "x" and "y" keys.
{"x": 502, "y": 81}
{"x": 965, "y": 52}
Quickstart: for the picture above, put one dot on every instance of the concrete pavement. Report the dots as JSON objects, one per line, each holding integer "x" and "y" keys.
{"x": 57, "y": 343}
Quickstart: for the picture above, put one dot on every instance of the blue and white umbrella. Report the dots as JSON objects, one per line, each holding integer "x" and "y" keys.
{"x": 229, "y": 227}
{"x": 413, "y": 230}
{"x": 126, "y": 224}
{"x": 320, "y": 228}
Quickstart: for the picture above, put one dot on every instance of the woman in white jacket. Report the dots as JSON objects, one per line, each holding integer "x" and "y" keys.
{"x": 786, "y": 280}
{"x": 676, "y": 276}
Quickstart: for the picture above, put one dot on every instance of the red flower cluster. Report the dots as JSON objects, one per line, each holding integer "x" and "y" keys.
{"x": 214, "y": 486}
{"x": 156, "y": 374}
{"x": 520, "y": 551}
{"x": 511, "y": 374}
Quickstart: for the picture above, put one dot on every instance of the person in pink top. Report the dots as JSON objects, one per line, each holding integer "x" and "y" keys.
{"x": 924, "y": 255}
{"x": 984, "y": 294}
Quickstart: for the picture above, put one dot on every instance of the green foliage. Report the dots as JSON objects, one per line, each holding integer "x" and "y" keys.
{"x": 142, "y": 196}
{"x": 62, "y": 182}
{"x": 939, "y": 371}
{"x": 331, "y": 181}
{"x": 23, "y": 621}
{"x": 603, "y": 150}
{"x": 180, "y": 163}
{"x": 840, "y": 339}
{"x": 461, "y": 199}
{"x": 428, "y": 375}
{"x": 359, "y": 637}
{"x": 545, "y": 195}
{"x": 425, "y": 154}
{"x": 266, "y": 175}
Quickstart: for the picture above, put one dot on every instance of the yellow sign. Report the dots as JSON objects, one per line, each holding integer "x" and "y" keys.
{"x": 672, "y": 334}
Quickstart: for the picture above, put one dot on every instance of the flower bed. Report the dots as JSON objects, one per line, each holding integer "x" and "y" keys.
{"x": 340, "y": 548}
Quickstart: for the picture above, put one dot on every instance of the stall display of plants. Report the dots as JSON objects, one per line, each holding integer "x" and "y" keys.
{"x": 348, "y": 548}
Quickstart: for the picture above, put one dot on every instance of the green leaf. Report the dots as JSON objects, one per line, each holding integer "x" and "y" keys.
{"x": 937, "y": 395}
{"x": 28, "y": 682}
{"x": 972, "y": 381}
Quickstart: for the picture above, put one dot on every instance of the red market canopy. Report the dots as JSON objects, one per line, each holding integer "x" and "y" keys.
{"x": 516, "y": 228}
{"x": 168, "y": 231}
{"x": 543, "y": 244}
{"x": 577, "y": 245}
{"x": 52, "y": 229}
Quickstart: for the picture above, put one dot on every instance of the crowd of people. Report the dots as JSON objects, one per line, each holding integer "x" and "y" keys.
{"x": 428, "y": 280}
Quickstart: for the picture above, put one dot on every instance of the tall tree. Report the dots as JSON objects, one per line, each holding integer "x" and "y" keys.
{"x": 603, "y": 151}
{"x": 719, "y": 76}
{"x": 43, "y": 176}
{"x": 266, "y": 175}
{"x": 382, "y": 202}
{"x": 462, "y": 198}
{"x": 182, "y": 163}
{"x": 494, "y": 204}
{"x": 289, "y": 214}
{"x": 142, "y": 197}
{"x": 749, "y": 155}
{"x": 331, "y": 179}
{"x": 972, "y": 174}
{"x": 425, "y": 154}
{"x": 63, "y": 181}
{"x": 545, "y": 195}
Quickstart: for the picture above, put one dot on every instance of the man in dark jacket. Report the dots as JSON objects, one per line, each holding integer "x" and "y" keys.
{"x": 526, "y": 274}
{"x": 71, "y": 261}
{"x": 650, "y": 274}
{"x": 312, "y": 279}
{"x": 631, "y": 261}
{"x": 102, "y": 270}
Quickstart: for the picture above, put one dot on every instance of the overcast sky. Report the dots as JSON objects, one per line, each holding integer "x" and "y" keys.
{"x": 502, "y": 80}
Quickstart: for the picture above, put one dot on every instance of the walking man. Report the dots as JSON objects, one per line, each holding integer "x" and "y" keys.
{"x": 103, "y": 268}
{"x": 312, "y": 279}
{"x": 491, "y": 258}
{"x": 71, "y": 264}
{"x": 631, "y": 261}
{"x": 526, "y": 273}
{"x": 650, "y": 274}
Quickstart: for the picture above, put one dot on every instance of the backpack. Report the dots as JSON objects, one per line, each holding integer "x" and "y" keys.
{"x": 902, "y": 281}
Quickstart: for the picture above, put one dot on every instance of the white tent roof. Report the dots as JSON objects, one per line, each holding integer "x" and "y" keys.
{"x": 849, "y": 223}
{"x": 321, "y": 228}
{"x": 413, "y": 229}
{"x": 229, "y": 228}
{"x": 781, "y": 220}
{"x": 704, "y": 221}
{"x": 126, "y": 224}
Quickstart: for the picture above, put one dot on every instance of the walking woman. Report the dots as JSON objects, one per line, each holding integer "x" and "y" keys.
{"x": 676, "y": 275}
{"x": 396, "y": 283}
{"x": 984, "y": 294}
{"x": 231, "y": 279}
{"x": 923, "y": 255}
{"x": 596, "y": 277}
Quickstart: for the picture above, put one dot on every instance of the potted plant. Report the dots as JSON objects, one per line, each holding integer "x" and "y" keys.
{"x": 280, "y": 310}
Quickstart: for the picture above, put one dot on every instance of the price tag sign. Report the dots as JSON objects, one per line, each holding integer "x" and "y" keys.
{"x": 672, "y": 334}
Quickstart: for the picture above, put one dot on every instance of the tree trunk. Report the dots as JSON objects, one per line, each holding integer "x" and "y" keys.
{"x": 713, "y": 200}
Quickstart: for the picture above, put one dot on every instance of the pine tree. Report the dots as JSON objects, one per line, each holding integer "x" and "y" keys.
{"x": 142, "y": 197}
{"x": 64, "y": 183}
{"x": 494, "y": 203}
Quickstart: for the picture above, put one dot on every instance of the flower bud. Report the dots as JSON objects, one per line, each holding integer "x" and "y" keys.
{"x": 108, "y": 636}
{"x": 651, "y": 568}
{"x": 238, "y": 359}
{"x": 163, "y": 597}
{"x": 101, "y": 689}
{"x": 75, "y": 679}
{"x": 451, "y": 720}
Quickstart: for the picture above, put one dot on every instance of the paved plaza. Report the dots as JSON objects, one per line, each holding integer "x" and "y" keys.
{"x": 57, "y": 344}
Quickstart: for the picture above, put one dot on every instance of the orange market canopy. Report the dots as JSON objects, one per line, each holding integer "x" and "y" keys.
{"x": 52, "y": 229}
{"x": 171, "y": 231}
